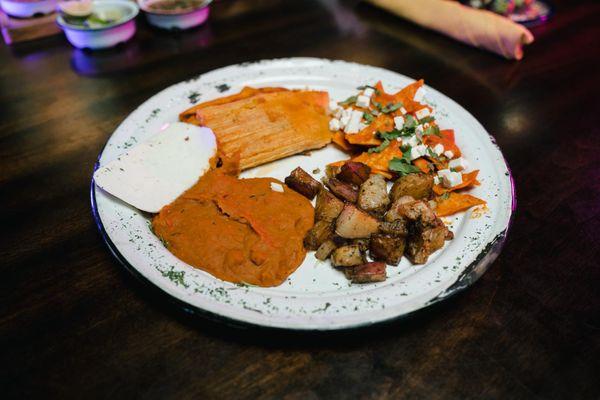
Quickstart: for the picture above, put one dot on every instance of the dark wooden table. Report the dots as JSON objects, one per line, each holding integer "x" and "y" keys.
{"x": 75, "y": 324}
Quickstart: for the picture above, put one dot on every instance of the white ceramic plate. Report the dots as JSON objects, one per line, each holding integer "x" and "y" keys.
{"x": 315, "y": 297}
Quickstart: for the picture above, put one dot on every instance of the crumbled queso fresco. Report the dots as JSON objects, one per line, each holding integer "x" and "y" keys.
{"x": 350, "y": 118}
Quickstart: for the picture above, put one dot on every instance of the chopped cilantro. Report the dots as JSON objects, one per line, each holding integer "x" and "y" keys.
{"x": 445, "y": 196}
{"x": 363, "y": 87}
{"x": 409, "y": 122}
{"x": 432, "y": 130}
{"x": 432, "y": 154}
{"x": 382, "y": 146}
{"x": 348, "y": 101}
{"x": 368, "y": 117}
{"x": 390, "y": 108}
{"x": 427, "y": 119}
{"x": 402, "y": 166}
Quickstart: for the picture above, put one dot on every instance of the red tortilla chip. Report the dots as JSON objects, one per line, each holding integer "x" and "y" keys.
{"x": 456, "y": 202}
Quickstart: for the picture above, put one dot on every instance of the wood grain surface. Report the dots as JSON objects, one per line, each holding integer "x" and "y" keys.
{"x": 75, "y": 324}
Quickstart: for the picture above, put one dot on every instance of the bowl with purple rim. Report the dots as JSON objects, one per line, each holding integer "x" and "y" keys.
{"x": 175, "y": 14}
{"x": 112, "y": 22}
{"x": 27, "y": 8}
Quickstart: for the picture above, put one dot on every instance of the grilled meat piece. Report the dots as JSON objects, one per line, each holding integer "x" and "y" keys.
{"x": 354, "y": 173}
{"x": 398, "y": 227}
{"x": 387, "y": 248}
{"x": 347, "y": 256}
{"x": 418, "y": 185}
{"x": 319, "y": 233}
{"x": 342, "y": 190}
{"x": 327, "y": 207}
{"x": 373, "y": 196}
{"x": 417, "y": 210}
{"x": 325, "y": 250}
{"x": 367, "y": 273}
{"x": 353, "y": 223}
{"x": 303, "y": 183}
{"x": 425, "y": 240}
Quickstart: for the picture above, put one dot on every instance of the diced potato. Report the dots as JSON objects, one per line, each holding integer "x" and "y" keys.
{"x": 301, "y": 181}
{"x": 342, "y": 190}
{"x": 397, "y": 227}
{"x": 319, "y": 233}
{"x": 373, "y": 196}
{"x": 327, "y": 207}
{"x": 387, "y": 248}
{"x": 413, "y": 211}
{"x": 353, "y": 223}
{"x": 425, "y": 241}
{"x": 354, "y": 173}
{"x": 418, "y": 186}
{"x": 367, "y": 273}
{"x": 347, "y": 256}
{"x": 325, "y": 250}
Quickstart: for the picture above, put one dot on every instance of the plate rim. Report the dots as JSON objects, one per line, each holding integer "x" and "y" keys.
{"x": 465, "y": 280}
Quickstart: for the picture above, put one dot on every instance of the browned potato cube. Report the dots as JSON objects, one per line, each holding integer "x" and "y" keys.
{"x": 320, "y": 232}
{"x": 373, "y": 196}
{"x": 387, "y": 248}
{"x": 325, "y": 250}
{"x": 397, "y": 227}
{"x": 342, "y": 190}
{"x": 425, "y": 241}
{"x": 301, "y": 181}
{"x": 367, "y": 273}
{"x": 413, "y": 211}
{"x": 418, "y": 186}
{"x": 353, "y": 223}
{"x": 347, "y": 256}
{"x": 354, "y": 173}
{"x": 327, "y": 207}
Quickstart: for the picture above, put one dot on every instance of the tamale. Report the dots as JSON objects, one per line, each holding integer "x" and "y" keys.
{"x": 266, "y": 125}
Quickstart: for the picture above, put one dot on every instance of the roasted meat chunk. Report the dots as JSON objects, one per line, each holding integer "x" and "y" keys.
{"x": 325, "y": 250}
{"x": 347, "y": 256}
{"x": 373, "y": 196}
{"x": 363, "y": 244}
{"x": 303, "y": 183}
{"x": 327, "y": 207}
{"x": 319, "y": 233}
{"x": 397, "y": 227}
{"x": 354, "y": 173}
{"x": 411, "y": 211}
{"x": 424, "y": 240}
{"x": 387, "y": 248}
{"x": 342, "y": 190}
{"x": 353, "y": 223}
{"x": 367, "y": 273}
{"x": 416, "y": 185}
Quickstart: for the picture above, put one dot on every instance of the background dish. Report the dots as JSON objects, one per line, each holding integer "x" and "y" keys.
{"x": 315, "y": 296}
{"x": 104, "y": 37}
{"x": 178, "y": 18}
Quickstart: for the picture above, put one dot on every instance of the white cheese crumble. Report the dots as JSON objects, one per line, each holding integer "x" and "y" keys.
{"x": 452, "y": 179}
{"x": 438, "y": 149}
{"x": 354, "y": 122}
{"x": 422, "y": 113}
{"x": 368, "y": 92}
{"x": 334, "y": 124}
{"x": 403, "y": 110}
{"x": 399, "y": 122}
{"x": 276, "y": 187}
{"x": 363, "y": 101}
{"x": 449, "y": 154}
{"x": 418, "y": 151}
{"x": 411, "y": 141}
{"x": 459, "y": 164}
{"x": 443, "y": 172}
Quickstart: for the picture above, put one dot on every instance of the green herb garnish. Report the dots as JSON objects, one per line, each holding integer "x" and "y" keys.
{"x": 432, "y": 130}
{"x": 402, "y": 166}
{"x": 348, "y": 101}
{"x": 368, "y": 117}
{"x": 378, "y": 149}
{"x": 363, "y": 87}
{"x": 425, "y": 120}
{"x": 390, "y": 108}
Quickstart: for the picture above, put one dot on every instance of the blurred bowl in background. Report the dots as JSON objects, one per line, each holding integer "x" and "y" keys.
{"x": 27, "y": 8}
{"x": 175, "y": 14}
{"x": 100, "y": 32}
